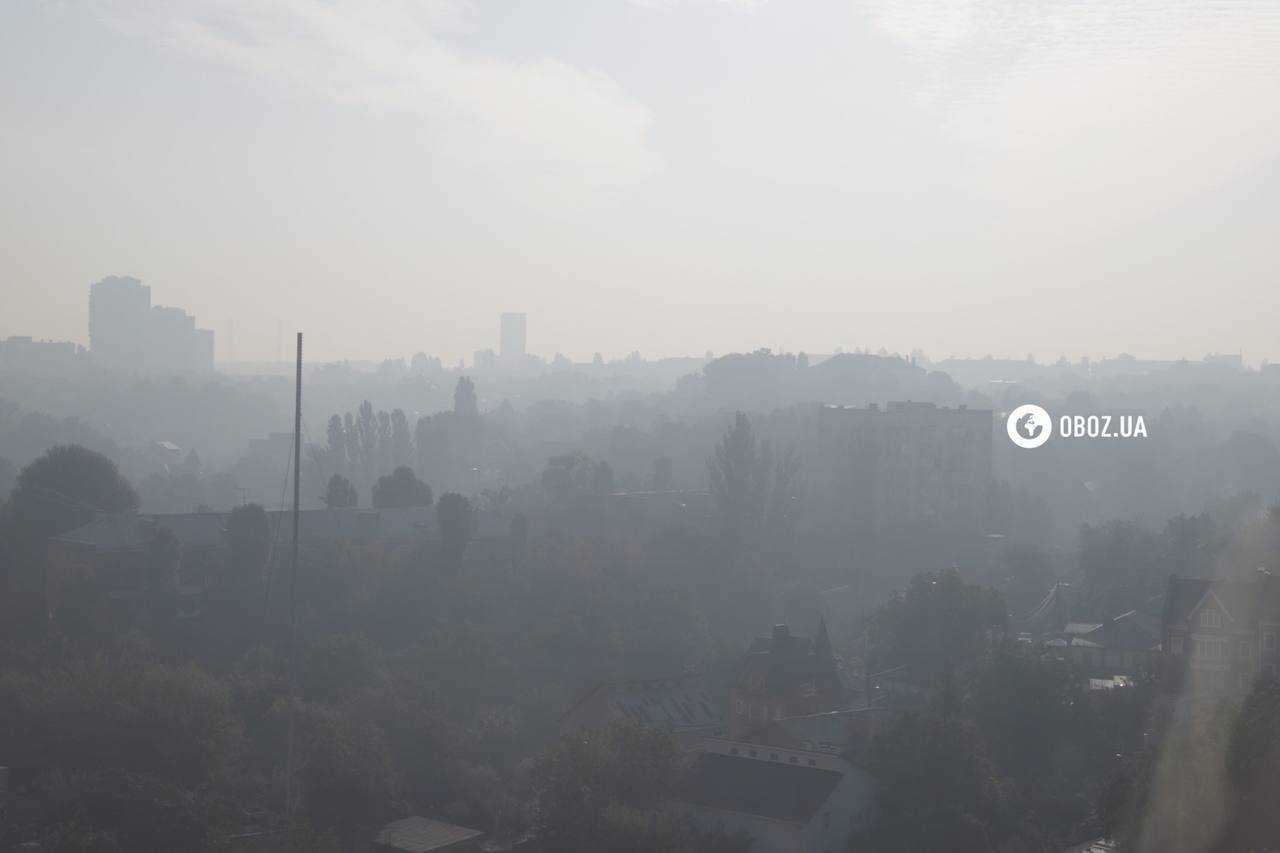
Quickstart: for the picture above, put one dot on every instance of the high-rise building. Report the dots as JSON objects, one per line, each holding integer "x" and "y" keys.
{"x": 127, "y": 332}
{"x": 511, "y": 344}
{"x": 914, "y": 461}
{"x": 903, "y": 487}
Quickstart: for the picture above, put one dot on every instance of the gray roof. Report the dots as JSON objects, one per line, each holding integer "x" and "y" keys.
{"x": 422, "y": 834}
{"x": 1132, "y": 630}
{"x": 1243, "y": 600}
{"x": 680, "y": 702}
{"x": 771, "y": 789}
{"x": 195, "y": 530}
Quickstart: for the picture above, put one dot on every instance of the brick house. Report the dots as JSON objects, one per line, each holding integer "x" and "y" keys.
{"x": 784, "y": 675}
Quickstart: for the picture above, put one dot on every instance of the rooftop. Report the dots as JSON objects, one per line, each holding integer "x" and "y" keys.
{"x": 679, "y": 701}
{"x": 422, "y": 834}
{"x": 788, "y": 792}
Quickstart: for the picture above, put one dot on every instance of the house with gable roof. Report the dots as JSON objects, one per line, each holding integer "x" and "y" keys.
{"x": 784, "y": 675}
{"x": 680, "y": 704}
{"x": 1219, "y": 636}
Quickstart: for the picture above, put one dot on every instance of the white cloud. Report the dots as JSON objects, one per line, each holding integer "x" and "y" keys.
{"x": 543, "y": 122}
{"x": 1095, "y": 112}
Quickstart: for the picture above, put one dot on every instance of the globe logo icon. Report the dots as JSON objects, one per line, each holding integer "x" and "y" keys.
{"x": 1029, "y": 426}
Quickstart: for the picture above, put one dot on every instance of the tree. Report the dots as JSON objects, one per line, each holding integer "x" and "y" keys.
{"x": 465, "y": 403}
{"x": 402, "y": 488}
{"x": 1122, "y": 568}
{"x": 340, "y": 494}
{"x": 367, "y": 433}
{"x": 8, "y": 477}
{"x": 61, "y": 490}
{"x": 65, "y": 488}
{"x": 1253, "y": 766}
{"x": 573, "y": 477}
{"x": 754, "y": 491}
{"x": 384, "y": 462}
{"x": 940, "y": 623}
{"x": 347, "y": 777}
{"x": 938, "y": 791}
{"x": 337, "y": 445}
{"x": 401, "y": 439}
{"x": 130, "y": 749}
{"x": 603, "y": 789}
{"x": 353, "y": 466}
{"x": 453, "y": 514}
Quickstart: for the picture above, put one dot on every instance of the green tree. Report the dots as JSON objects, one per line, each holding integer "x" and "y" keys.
{"x": 8, "y": 477}
{"x": 574, "y": 479}
{"x": 754, "y": 489}
{"x": 938, "y": 791}
{"x": 337, "y": 451}
{"x": 63, "y": 489}
{"x": 340, "y": 494}
{"x": 401, "y": 489}
{"x": 67, "y": 487}
{"x": 347, "y": 779}
{"x": 940, "y": 623}
{"x": 1253, "y": 766}
{"x": 122, "y": 749}
{"x": 1122, "y": 569}
{"x": 401, "y": 439}
{"x": 367, "y": 441}
{"x": 604, "y": 789}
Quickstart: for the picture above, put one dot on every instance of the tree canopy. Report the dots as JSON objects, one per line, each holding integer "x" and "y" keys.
{"x": 401, "y": 488}
{"x": 65, "y": 488}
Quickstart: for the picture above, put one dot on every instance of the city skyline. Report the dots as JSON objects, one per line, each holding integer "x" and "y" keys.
{"x": 511, "y": 354}
{"x": 872, "y": 173}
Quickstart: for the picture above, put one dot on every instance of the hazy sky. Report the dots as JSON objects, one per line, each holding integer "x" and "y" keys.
{"x": 670, "y": 176}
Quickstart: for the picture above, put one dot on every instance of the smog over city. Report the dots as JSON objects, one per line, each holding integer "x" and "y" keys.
{"x": 652, "y": 426}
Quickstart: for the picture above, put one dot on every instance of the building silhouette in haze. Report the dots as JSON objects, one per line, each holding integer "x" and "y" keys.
{"x": 127, "y": 332}
{"x": 511, "y": 342}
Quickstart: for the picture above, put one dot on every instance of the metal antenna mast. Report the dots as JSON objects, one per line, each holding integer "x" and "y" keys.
{"x": 293, "y": 589}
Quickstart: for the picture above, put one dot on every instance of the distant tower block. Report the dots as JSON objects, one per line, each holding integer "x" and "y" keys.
{"x": 512, "y": 340}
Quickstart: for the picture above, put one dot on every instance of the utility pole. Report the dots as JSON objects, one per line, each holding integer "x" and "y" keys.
{"x": 293, "y": 590}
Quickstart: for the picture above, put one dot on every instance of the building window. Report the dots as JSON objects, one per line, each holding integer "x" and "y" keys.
{"x": 1210, "y": 618}
{"x": 1246, "y": 649}
{"x": 739, "y": 706}
{"x": 1269, "y": 640}
{"x": 809, "y": 688}
{"x": 1269, "y": 669}
{"x": 733, "y": 750}
{"x": 1175, "y": 645}
{"x": 1210, "y": 648}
